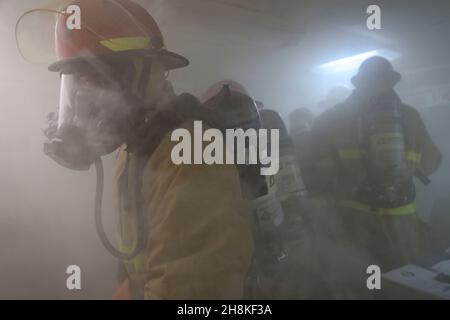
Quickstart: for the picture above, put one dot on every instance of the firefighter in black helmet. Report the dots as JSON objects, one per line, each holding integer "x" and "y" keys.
{"x": 366, "y": 153}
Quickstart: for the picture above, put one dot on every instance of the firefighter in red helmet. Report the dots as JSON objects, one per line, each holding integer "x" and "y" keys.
{"x": 184, "y": 230}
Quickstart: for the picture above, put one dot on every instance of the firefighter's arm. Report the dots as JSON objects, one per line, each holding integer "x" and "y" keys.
{"x": 200, "y": 242}
{"x": 431, "y": 157}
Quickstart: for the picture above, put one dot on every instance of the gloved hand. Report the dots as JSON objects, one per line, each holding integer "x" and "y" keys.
{"x": 123, "y": 293}
{"x": 68, "y": 150}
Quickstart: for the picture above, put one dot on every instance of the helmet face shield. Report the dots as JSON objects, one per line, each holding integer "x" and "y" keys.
{"x": 93, "y": 108}
{"x": 35, "y": 36}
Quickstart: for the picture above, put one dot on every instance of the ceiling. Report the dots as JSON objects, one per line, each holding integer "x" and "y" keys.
{"x": 238, "y": 38}
{"x": 321, "y": 25}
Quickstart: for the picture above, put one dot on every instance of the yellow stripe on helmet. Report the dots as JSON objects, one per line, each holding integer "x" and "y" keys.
{"x": 125, "y": 44}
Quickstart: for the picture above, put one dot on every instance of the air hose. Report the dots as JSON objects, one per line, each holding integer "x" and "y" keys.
{"x": 98, "y": 218}
{"x": 140, "y": 239}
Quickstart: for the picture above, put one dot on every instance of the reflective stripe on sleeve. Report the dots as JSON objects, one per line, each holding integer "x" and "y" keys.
{"x": 399, "y": 211}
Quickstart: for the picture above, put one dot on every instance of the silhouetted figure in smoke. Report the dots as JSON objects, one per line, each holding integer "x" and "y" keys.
{"x": 365, "y": 153}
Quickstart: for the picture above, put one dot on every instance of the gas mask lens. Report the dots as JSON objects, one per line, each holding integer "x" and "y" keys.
{"x": 91, "y": 113}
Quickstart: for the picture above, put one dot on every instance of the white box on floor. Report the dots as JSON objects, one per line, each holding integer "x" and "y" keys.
{"x": 413, "y": 281}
